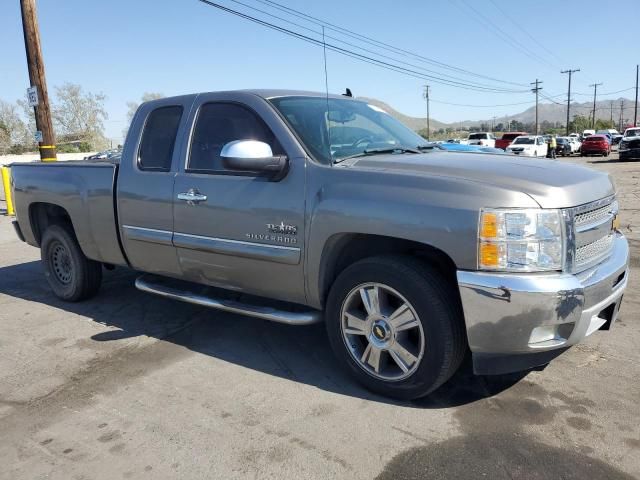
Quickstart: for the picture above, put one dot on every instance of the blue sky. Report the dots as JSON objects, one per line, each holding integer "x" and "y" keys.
{"x": 124, "y": 48}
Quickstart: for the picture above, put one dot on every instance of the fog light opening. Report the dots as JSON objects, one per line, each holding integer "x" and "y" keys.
{"x": 550, "y": 335}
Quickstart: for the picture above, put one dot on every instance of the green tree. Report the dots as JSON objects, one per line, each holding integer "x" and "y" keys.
{"x": 13, "y": 131}
{"x": 579, "y": 124}
{"x": 79, "y": 115}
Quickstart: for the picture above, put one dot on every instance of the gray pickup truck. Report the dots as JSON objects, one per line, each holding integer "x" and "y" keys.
{"x": 298, "y": 207}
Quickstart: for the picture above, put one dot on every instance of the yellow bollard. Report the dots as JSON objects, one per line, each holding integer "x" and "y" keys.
{"x": 6, "y": 182}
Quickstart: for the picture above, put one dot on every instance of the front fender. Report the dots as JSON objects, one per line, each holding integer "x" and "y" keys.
{"x": 440, "y": 212}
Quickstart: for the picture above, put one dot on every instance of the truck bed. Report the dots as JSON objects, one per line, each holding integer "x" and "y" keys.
{"x": 85, "y": 189}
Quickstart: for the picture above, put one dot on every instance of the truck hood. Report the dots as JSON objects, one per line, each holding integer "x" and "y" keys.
{"x": 552, "y": 184}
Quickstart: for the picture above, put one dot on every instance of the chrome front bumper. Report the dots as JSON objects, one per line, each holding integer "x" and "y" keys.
{"x": 519, "y": 321}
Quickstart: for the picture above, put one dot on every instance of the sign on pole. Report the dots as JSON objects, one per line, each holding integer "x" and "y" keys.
{"x": 38, "y": 136}
{"x": 32, "y": 95}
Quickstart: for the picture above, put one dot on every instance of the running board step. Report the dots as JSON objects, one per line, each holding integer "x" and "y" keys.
{"x": 215, "y": 298}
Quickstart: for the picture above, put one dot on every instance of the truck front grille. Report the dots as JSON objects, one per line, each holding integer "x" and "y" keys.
{"x": 593, "y": 252}
{"x": 590, "y": 233}
{"x": 592, "y": 216}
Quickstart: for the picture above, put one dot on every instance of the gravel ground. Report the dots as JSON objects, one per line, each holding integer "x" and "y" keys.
{"x": 128, "y": 385}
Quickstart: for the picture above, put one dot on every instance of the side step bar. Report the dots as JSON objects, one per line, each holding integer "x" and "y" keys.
{"x": 160, "y": 286}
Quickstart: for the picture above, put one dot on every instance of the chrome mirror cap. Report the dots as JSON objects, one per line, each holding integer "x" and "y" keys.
{"x": 246, "y": 149}
{"x": 254, "y": 157}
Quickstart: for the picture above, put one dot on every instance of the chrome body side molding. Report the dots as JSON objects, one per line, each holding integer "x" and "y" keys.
{"x": 239, "y": 248}
{"x": 152, "y": 235}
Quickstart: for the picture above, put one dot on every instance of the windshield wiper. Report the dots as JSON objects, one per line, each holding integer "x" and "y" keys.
{"x": 379, "y": 151}
{"x": 429, "y": 146}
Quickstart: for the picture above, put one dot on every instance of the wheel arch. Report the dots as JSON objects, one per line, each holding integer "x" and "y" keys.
{"x": 43, "y": 214}
{"x": 344, "y": 249}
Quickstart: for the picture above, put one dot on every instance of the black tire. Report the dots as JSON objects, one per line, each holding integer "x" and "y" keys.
{"x": 438, "y": 309}
{"x": 71, "y": 275}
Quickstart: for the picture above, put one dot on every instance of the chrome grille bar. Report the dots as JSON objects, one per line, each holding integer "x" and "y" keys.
{"x": 590, "y": 233}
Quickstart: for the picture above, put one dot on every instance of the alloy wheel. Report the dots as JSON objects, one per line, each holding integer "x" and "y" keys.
{"x": 382, "y": 331}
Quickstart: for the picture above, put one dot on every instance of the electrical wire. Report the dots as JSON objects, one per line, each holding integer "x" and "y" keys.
{"x": 496, "y": 30}
{"x": 603, "y": 94}
{"x": 444, "y": 75}
{"x": 530, "y": 102}
{"x": 377, "y": 43}
{"x": 519, "y": 27}
{"x": 359, "y": 56}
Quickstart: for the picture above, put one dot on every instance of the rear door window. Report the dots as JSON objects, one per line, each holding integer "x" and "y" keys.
{"x": 159, "y": 138}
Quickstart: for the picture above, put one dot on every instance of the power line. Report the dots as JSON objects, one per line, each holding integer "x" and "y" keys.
{"x": 378, "y": 43}
{"x": 547, "y": 97}
{"x": 496, "y": 30}
{"x": 428, "y": 71}
{"x": 481, "y": 106}
{"x": 358, "y": 56}
{"x": 519, "y": 27}
{"x": 602, "y": 94}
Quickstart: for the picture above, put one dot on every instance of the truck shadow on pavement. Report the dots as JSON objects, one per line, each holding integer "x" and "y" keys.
{"x": 300, "y": 354}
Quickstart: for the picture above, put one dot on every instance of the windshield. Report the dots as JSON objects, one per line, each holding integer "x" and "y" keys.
{"x": 524, "y": 141}
{"x": 632, "y": 132}
{"x": 478, "y": 136}
{"x": 349, "y": 128}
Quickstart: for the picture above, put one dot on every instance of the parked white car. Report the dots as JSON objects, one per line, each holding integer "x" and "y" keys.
{"x": 575, "y": 143}
{"x": 484, "y": 139}
{"x": 528, "y": 145}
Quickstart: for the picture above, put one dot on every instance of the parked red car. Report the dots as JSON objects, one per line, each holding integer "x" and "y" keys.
{"x": 507, "y": 138}
{"x": 595, "y": 145}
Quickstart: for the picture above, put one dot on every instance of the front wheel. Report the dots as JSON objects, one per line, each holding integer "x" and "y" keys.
{"x": 71, "y": 275}
{"x": 396, "y": 325}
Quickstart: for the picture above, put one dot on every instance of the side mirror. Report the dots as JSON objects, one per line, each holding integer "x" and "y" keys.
{"x": 253, "y": 156}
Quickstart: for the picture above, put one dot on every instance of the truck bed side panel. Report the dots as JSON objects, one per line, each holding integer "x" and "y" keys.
{"x": 85, "y": 190}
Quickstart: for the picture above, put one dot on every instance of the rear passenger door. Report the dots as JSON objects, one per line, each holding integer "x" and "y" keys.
{"x": 247, "y": 234}
{"x": 145, "y": 185}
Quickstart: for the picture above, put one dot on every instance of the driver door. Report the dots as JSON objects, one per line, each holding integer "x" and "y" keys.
{"x": 246, "y": 232}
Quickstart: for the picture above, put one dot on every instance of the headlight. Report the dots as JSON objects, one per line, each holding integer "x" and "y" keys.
{"x": 520, "y": 240}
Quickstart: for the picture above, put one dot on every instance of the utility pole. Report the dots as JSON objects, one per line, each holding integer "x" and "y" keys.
{"x": 426, "y": 96}
{"x": 570, "y": 72}
{"x": 493, "y": 124}
{"x": 595, "y": 90}
{"x": 611, "y": 117}
{"x": 535, "y": 90}
{"x": 621, "y": 115}
{"x": 38, "y": 95}
{"x": 635, "y": 110}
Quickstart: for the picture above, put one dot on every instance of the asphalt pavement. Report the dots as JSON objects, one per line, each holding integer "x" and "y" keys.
{"x": 129, "y": 385}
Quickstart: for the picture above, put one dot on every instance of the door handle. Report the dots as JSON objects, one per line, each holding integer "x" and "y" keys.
{"x": 192, "y": 197}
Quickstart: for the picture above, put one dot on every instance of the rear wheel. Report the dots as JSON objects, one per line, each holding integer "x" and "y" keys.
{"x": 71, "y": 275}
{"x": 396, "y": 325}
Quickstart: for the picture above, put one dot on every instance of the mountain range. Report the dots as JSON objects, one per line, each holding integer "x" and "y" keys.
{"x": 552, "y": 112}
